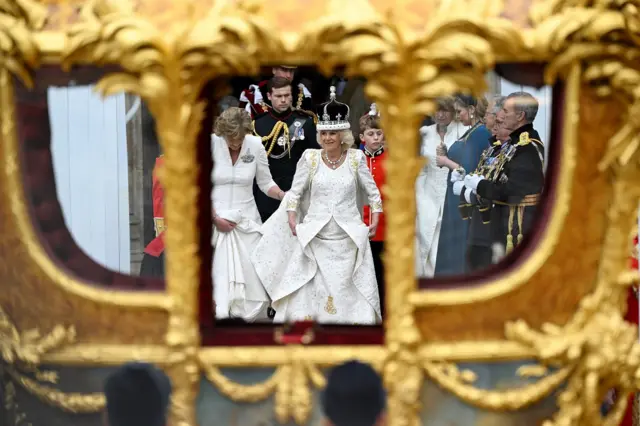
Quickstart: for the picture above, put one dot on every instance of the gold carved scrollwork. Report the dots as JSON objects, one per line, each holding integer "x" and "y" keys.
{"x": 597, "y": 348}
{"x": 23, "y": 352}
{"x": 291, "y": 384}
{"x": 596, "y": 40}
{"x": 460, "y": 383}
{"x": 605, "y": 37}
{"x": 18, "y": 49}
{"x": 168, "y": 69}
{"x": 405, "y": 74}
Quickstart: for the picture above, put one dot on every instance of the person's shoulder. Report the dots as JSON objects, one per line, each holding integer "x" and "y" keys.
{"x": 535, "y": 138}
{"x": 261, "y": 117}
{"x": 304, "y": 113}
{"x": 253, "y": 140}
{"x": 527, "y": 139}
{"x": 424, "y": 130}
{"x": 311, "y": 153}
{"x": 357, "y": 153}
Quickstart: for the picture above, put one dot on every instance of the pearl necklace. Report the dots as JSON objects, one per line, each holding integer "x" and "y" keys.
{"x": 333, "y": 164}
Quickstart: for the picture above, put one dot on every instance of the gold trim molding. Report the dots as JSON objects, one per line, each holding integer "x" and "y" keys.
{"x": 592, "y": 46}
{"x": 22, "y": 353}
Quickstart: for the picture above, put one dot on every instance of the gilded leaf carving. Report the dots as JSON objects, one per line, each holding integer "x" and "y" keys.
{"x": 19, "y": 52}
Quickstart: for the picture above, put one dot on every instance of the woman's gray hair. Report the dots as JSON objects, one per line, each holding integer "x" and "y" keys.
{"x": 496, "y": 104}
{"x": 346, "y": 138}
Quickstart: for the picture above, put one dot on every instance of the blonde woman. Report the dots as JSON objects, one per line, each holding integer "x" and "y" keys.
{"x": 239, "y": 158}
{"x": 323, "y": 267}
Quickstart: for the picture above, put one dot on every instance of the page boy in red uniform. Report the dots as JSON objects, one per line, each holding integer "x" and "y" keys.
{"x": 372, "y": 137}
{"x": 632, "y": 317}
{"x": 153, "y": 258}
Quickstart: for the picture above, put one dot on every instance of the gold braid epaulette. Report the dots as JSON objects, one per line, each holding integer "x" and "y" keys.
{"x": 273, "y": 136}
{"x": 300, "y": 99}
{"x": 525, "y": 139}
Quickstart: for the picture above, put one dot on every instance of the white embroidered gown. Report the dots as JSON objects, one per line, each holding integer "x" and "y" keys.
{"x": 431, "y": 189}
{"x": 326, "y": 272}
{"x": 237, "y": 290}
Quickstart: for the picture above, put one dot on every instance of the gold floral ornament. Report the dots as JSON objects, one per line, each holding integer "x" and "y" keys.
{"x": 602, "y": 355}
{"x": 18, "y": 49}
{"x": 604, "y": 36}
{"x": 22, "y": 353}
{"x": 27, "y": 348}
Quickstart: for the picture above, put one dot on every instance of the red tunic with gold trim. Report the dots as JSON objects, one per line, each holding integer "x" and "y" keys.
{"x": 156, "y": 246}
{"x": 632, "y": 317}
{"x": 375, "y": 162}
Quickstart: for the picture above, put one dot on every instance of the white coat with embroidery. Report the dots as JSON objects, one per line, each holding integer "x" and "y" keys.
{"x": 326, "y": 272}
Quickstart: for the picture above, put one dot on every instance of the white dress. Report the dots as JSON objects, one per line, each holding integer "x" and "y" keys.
{"x": 237, "y": 290}
{"x": 431, "y": 189}
{"x": 326, "y": 272}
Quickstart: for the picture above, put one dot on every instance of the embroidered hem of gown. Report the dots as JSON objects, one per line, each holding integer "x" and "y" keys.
{"x": 294, "y": 268}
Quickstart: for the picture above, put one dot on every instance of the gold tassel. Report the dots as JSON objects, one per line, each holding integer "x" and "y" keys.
{"x": 520, "y": 220}
{"x": 509, "y": 243}
{"x": 510, "y": 229}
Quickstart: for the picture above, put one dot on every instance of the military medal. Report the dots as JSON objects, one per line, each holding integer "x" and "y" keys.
{"x": 282, "y": 141}
{"x": 298, "y": 132}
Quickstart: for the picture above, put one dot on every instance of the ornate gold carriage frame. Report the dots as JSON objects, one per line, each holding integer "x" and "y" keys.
{"x": 561, "y": 302}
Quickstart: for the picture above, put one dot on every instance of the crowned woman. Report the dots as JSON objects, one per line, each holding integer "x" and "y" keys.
{"x": 314, "y": 258}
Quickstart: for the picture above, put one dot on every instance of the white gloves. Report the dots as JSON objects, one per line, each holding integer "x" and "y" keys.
{"x": 472, "y": 181}
{"x": 467, "y": 194}
{"x": 456, "y": 176}
{"x": 457, "y": 187}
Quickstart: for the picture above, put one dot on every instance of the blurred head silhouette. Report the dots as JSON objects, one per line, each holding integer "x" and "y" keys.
{"x": 137, "y": 394}
{"x": 354, "y": 396}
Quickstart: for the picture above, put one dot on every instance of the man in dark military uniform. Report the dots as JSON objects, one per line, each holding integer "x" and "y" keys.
{"x": 286, "y": 133}
{"x": 475, "y": 208}
{"x": 517, "y": 179}
{"x": 255, "y": 99}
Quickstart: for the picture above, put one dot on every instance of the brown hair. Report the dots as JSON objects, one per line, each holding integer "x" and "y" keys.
{"x": 278, "y": 83}
{"x": 480, "y": 104}
{"x": 369, "y": 122}
{"x": 233, "y": 123}
{"x": 446, "y": 103}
